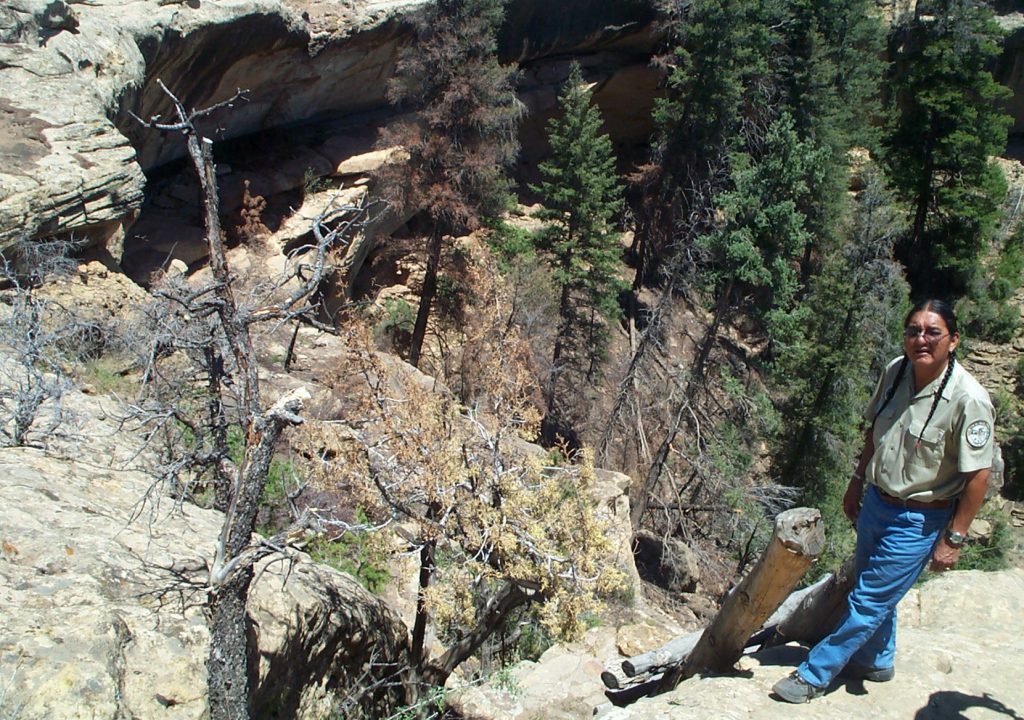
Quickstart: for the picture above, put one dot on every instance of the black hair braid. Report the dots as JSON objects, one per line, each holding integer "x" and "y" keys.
{"x": 938, "y": 394}
{"x": 892, "y": 388}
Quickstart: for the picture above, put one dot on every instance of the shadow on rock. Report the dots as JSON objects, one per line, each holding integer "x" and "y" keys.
{"x": 950, "y": 704}
{"x": 351, "y": 657}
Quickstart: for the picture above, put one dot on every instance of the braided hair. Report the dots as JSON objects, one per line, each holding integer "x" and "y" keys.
{"x": 944, "y": 310}
{"x": 892, "y": 388}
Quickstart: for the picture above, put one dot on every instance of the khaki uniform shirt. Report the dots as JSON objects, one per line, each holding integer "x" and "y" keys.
{"x": 958, "y": 439}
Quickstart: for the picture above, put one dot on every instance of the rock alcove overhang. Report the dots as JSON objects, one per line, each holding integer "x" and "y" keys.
{"x": 306, "y": 107}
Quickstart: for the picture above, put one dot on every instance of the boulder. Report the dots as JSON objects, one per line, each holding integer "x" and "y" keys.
{"x": 666, "y": 562}
{"x": 101, "y": 597}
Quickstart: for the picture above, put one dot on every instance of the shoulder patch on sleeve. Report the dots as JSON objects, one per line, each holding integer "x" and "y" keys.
{"x": 978, "y": 433}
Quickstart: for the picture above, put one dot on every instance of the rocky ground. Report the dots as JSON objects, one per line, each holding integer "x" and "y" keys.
{"x": 960, "y": 649}
{"x": 102, "y": 580}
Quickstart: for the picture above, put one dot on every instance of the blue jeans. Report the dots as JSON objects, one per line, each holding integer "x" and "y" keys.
{"x": 894, "y": 544}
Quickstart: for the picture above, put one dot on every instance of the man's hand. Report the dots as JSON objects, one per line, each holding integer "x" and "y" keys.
{"x": 851, "y": 500}
{"x": 944, "y": 557}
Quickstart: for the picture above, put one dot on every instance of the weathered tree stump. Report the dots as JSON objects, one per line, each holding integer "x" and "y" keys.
{"x": 797, "y": 540}
{"x": 816, "y": 612}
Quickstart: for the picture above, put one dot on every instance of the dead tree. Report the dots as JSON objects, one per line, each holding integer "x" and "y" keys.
{"x": 217, "y": 310}
{"x": 805, "y": 616}
{"x": 42, "y": 336}
{"x": 797, "y": 541}
{"x": 809, "y": 616}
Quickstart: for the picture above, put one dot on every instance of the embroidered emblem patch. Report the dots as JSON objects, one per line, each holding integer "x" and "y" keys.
{"x": 978, "y": 433}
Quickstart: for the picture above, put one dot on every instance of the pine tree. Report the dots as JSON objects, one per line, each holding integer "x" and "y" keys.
{"x": 946, "y": 124}
{"x": 581, "y": 195}
{"x": 461, "y": 137}
{"x": 719, "y": 80}
{"x": 830, "y": 72}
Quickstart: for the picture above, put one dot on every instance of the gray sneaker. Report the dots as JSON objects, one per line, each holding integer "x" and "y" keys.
{"x": 855, "y": 671}
{"x": 794, "y": 689}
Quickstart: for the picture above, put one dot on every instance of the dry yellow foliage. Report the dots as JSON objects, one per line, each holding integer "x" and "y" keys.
{"x": 497, "y": 515}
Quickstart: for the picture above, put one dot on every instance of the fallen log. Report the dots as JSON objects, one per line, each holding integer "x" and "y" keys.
{"x": 806, "y": 616}
{"x": 631, "y": 693}
{"x": 668, "y": 655}
{"x": 797, "y": 540}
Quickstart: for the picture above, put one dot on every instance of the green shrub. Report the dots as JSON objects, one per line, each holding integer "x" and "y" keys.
{"x": 450, "y": 298}
{"x": 282, "y": 478}
{"x": 509, "y": 243}
{"x": 990, "y": 554}
{"x": 354, "y": 553}
{"x": 1010, "y": 267}
{"x": 432, "y": 705}
{"x": 107, "y": 374}
{"x": 504, "y": 679}
{"x": 989, "y": 319}
{"x": 396, "y": 325}
{"x": 1011, "y": 430}
{"x": 313, "y": 183}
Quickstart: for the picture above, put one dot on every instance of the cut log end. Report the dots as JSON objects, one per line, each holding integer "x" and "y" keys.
{"x": 801, "y": 531}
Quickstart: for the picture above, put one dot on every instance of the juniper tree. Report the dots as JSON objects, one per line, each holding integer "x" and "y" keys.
{"x": 581, "y": 194}
{"x": 200, "y": 359}
{"x": 42, "y": 337}
{"x": 461, "y": 135}
{"x": 498, "y": 534}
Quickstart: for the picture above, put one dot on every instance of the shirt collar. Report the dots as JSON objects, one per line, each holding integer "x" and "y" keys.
{"x": 933, "y": 387}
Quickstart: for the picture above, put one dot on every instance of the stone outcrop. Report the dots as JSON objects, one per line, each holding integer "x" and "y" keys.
{"x": 101, "y": 593}
{"x": 74, "y": 160}
{"x": 74, "y": 157}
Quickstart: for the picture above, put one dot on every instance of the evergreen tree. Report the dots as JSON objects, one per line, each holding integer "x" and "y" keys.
{"x": 462, "y": 136}
{"x": 945, "y": 126}
{"x": 581, "y": 194}
{"x": 753, "y": 253}
{"x": 719, "y": 80}
{"x": 830, "y": 71}
{"x": 849, "y": 318}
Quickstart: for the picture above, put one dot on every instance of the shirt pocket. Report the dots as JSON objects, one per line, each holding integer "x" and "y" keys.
{"x": 924, "y": 450}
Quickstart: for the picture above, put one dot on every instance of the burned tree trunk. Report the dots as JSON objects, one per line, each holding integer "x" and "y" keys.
{"x": 231, "y": 570}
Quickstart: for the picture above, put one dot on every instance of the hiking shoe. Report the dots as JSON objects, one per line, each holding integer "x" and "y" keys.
{"x": 794, "y": 689}
{"x": 854, "y": 671}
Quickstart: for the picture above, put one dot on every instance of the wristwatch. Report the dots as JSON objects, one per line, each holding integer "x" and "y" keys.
{"x": 954, "y": 538}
